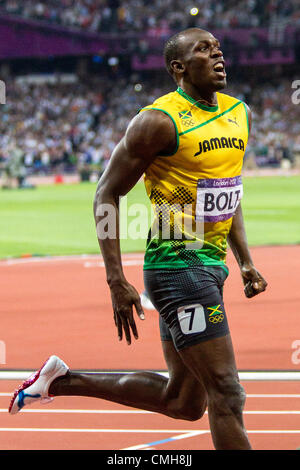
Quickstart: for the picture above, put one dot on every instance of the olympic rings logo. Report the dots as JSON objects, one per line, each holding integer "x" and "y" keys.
{"x": 217, "y": 318}
{"x": 188, "y": 122}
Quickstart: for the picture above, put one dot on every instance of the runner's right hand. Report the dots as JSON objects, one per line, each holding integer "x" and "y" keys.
{"x": 124, "y": 296}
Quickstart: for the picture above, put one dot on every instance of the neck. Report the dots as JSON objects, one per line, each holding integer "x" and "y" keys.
{"x": 208, "y": 98}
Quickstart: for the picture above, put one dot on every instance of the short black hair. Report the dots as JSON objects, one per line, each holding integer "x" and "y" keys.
{"x": 172, "y": 50}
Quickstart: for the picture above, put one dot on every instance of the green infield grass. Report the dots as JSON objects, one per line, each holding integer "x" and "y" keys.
{"x": 58, "y": 220}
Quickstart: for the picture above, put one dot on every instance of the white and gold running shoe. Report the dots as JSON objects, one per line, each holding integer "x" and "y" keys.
{"x": 37, "y": 385}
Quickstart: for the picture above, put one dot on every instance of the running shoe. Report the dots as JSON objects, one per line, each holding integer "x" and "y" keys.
{"x": 37, "y": 385}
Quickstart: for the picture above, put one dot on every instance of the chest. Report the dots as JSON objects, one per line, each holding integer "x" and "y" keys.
{"x": 216, "y": 144}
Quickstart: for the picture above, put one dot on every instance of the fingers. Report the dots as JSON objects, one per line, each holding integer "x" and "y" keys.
{"x": 249, "y": 290}
{"x": 123, "y": 327}
{"x": 123, "y": 299}
{"x": 126, "y": 329}
{"x": 253, "y": 281}
{"x": 125, "y": 323}
{"x": 119, "y": 328}
{"x": 255, "y": 287}
{"x": 139, "y": 309}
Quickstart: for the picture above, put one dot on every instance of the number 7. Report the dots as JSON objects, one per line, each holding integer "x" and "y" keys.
{"x": 192, "y": 311}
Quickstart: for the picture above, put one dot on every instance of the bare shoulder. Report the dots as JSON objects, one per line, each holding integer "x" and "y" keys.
{"x": 151, "y": 131}
{"x": 248, "y": 109}
{"x": 249, "y": 115}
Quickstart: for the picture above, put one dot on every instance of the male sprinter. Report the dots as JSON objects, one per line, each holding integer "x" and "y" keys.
{"x": 190, "y": 145}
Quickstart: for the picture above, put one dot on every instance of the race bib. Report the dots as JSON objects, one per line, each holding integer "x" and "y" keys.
{"x": 191, "y": 319}
{"x": 217, "y": 199}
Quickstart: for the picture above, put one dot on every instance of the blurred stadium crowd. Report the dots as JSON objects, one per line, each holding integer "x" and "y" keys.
{"x": 75, "y": 126}
{"x": 157, "y": 16}
{"x": 60, "y": 127}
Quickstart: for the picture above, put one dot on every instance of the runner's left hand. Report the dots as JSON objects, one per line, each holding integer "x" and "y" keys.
{"x": 253, "y": 281}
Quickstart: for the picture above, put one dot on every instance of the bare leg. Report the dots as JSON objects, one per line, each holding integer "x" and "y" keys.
{"x": 213, "y": 363}
{"x": 200, "y": 374}
{"x": 181, "y": 396}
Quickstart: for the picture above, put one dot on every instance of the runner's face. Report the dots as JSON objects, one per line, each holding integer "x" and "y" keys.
{"x": 204, "y": 62}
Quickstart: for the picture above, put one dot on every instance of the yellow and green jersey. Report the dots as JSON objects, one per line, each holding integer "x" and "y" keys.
{"x": 196, "y": 190}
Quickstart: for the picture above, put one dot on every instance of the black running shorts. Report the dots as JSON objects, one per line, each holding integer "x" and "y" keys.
{"x": 190, "y": 303}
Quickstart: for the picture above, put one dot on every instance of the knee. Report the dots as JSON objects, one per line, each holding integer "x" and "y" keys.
{"x": 191, "y": 410}
{"x": 195, "y": 411}
{"x": 227, "y": 396}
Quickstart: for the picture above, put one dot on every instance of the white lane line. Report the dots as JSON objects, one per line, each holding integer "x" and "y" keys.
{"x": 275, "y": 431}
{"x": 256, "y": 376}
{"x": 72, "y": 258}
{"x": 250, "y": 395}
{"x": 150, "y": 445}
{"x": 273, "y": 395}
{"x": 77, "y": 411}
{"x": 143, "y": 431}
{"x": 271, "y": 412}
{"x": 86, "y": 411}
{"x": 100, "y": 264}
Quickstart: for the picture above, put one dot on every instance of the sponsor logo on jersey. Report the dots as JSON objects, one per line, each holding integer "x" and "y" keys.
{"x": 234, "y": 121}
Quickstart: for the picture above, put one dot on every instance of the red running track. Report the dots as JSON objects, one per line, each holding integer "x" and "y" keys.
{"x": 271, "y": 417}
{"x": 62, "y": 306}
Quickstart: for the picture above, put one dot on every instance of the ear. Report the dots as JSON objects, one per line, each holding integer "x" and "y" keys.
{"x": 177, "y": 66}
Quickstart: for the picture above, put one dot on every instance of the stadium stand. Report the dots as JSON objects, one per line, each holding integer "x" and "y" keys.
{"x": 160, "y": 15}
{"x": 62, "y": 114}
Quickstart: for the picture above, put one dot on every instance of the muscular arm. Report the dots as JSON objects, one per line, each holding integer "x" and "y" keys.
{"x": 148, "y": 135}
{"x": 238, "y": 240}
{"x": 253, "y": 281}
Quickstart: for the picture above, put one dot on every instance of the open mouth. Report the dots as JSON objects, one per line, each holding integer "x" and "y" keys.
{"x": 219, "y": 69}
